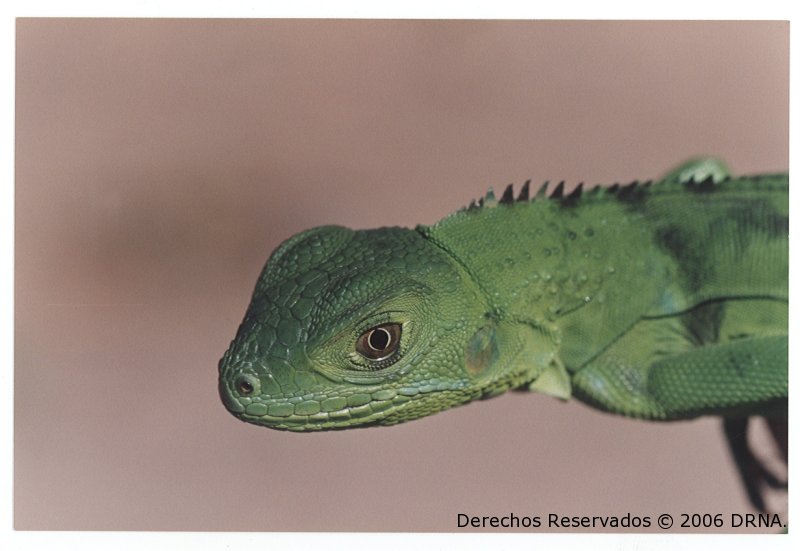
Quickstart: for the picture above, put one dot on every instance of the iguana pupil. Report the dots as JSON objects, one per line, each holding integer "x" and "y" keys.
{"x": 379, "y": 339}
{"x": 379, "y": 342}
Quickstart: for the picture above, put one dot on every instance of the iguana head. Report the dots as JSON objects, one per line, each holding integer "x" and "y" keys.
{"x": 352, "y": 328}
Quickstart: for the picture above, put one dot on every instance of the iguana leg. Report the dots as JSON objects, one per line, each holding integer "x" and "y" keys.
{"x": 752, "y": 471}
{"x": 706, "y": 361}
{"x": 779, "y": 427}
{"x": 736, "y": 378}
{"x": 720, "y": 359}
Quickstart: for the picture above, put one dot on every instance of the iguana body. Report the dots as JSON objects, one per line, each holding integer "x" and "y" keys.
{"x": 663, "y": 301}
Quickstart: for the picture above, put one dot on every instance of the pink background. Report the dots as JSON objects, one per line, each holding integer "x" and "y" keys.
{"x": 160, "y": 161}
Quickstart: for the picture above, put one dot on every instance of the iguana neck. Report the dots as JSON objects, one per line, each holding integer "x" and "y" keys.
{"x": 570, "y": 262}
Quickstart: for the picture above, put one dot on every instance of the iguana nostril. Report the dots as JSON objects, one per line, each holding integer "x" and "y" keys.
{"x": 244, "y": 386}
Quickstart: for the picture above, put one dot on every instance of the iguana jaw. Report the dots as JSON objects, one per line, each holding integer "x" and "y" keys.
{"x": 370, "y": 406}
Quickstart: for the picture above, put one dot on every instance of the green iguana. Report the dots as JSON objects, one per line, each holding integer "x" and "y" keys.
{"x": 659, "y": 301}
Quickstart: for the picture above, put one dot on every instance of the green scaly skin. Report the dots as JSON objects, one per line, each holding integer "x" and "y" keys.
{"x": 663, "y": 301}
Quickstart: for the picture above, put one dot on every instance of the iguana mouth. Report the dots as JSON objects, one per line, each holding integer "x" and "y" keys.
{"x": 298, "y": 414}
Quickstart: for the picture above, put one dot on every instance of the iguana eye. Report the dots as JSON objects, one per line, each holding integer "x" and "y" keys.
{"x": 380, "y": 342}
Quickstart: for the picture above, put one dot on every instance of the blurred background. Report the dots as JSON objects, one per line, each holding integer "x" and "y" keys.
{"x": 159, "y": 162}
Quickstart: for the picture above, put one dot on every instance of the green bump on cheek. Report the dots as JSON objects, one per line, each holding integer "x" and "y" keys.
{"x": 361, "y": 411}
{"x": 281, "y": 410}
{"x": 307, "y": 277}
{"x": 340, "y": 415}
{"x": 307, "y": 408}
{"x": 302, "y": 308}
{"x": 304, "y": 380}
{"x": 358, "y": 400}
{"x": 312, "y": 289}
{"x": 333, "y": 404}
{"x": 287, "y": 331}
{"x": 256, "y": 409}
{"x": 386, "y": 394}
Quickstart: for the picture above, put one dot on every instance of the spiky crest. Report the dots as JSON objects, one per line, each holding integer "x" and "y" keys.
{"x": 630, "y": 193}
